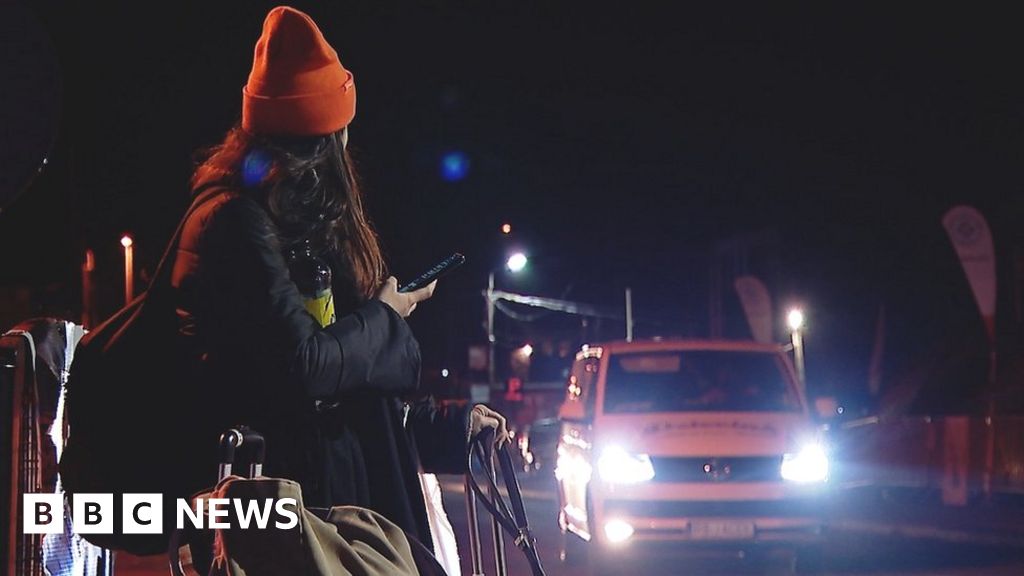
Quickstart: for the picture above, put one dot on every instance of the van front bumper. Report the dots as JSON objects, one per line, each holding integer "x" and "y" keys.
{"x": 752, "y": 513}
{"x": 710, "y": 522}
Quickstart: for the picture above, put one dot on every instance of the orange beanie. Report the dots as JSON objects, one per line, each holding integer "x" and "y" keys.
{"x": 297, "y": 86}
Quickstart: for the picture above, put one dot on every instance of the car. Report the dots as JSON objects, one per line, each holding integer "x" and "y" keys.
{"x": 537, "y": 445}
{"x": 688, "y": 442}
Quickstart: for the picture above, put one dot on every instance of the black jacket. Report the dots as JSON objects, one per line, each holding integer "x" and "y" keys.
{"x": 265, "y": 361}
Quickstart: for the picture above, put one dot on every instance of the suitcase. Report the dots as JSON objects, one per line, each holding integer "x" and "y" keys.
{"x": 506, "y": 518}
{"x": 189, "y": 553}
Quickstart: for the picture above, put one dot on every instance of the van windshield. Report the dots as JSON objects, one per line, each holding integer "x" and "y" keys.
{"x": 698, "y": 381}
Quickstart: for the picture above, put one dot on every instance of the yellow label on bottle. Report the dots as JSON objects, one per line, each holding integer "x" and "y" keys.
{"x": 322, "y": 308}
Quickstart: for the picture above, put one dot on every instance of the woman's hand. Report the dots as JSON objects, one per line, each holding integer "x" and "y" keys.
{"x": 403, "y": 302}
{"x": 483, "y": 417}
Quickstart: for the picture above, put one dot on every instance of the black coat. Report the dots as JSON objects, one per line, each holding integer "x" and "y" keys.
{"x": 266, "y": 361}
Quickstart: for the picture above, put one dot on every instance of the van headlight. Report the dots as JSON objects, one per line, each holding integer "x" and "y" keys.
{"x": 808, "y": 465}
{"x": 620, "y": 467}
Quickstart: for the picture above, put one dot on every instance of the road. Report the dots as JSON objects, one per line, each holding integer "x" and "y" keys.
{"x": 847, "y": 551}
{"x": 859, "y": 543}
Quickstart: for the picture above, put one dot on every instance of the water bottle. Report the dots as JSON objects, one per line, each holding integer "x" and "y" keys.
{"x": 313, "y": 277}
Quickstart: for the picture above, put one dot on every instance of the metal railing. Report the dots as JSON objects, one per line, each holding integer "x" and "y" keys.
{"x": 22, "y": 468}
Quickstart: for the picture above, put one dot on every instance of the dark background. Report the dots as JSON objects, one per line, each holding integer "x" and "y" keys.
{"x": 630, "y": 144}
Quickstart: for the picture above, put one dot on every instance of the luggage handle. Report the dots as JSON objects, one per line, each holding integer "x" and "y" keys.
{"x": 513, "y": 521}
{"x": 474, "y": 528}
{"x": 179, "y": 548}
{"x": 234, "y": 439}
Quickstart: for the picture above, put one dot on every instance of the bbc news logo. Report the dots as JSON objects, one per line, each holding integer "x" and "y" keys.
{"x": 144, "y": 513}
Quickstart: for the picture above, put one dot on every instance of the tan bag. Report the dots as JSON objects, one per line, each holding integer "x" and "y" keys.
{"x": 349, "y": 541}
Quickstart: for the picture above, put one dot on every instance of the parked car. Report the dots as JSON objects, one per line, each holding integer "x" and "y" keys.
{"x": 688, "y": 442}
{"x": 537, "y": 446}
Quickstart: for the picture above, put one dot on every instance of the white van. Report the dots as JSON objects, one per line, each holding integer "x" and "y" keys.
{"x": 687, "y": 441}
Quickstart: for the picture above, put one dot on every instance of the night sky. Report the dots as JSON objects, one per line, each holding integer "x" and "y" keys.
{"x": 627, "y": 143}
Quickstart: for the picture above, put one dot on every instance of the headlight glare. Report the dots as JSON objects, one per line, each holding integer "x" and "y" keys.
{"x": 808, "y": 465}
{"x": 620, "y": 467}
{"x": 617, "y": 531}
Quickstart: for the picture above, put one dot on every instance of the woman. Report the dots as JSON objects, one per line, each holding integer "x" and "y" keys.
{"x": 278, "y": 197}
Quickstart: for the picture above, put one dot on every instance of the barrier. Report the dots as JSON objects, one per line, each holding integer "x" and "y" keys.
{"x": 948, "y": 454}
{"x": 35, "y": 358}
{"x": 21, "y": 467}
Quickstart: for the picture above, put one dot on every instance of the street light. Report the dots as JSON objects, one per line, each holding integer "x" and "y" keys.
{"x": 515, "y": 263}
{"x": 795, "y": 319}
{"x": 129, "y": 269}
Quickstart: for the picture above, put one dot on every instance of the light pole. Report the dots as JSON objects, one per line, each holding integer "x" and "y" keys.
{"x": 795, "y": 319}
{"x": 129, "y": 269}
{"x": 490, "y": 330}
{"x": 88, "y": 292}
{"x": 515, "y": 263}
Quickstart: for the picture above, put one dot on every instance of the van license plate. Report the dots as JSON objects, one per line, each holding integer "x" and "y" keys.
{"x": 721, "y": 530}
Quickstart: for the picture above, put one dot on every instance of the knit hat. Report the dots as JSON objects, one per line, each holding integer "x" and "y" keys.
{"x": 297, "y": 86}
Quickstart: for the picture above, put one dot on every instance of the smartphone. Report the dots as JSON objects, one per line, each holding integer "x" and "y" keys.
{"x": 440, "y": 269}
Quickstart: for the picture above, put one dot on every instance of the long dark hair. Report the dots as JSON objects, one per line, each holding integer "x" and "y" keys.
{"x": 310, "y": 189}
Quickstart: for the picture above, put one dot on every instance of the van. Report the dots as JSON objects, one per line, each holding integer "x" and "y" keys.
{"x": 688, "y": 442}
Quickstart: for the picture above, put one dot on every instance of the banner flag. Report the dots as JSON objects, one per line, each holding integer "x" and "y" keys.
{"x": 972, "y": 239}
{"x": 757, "y": 305}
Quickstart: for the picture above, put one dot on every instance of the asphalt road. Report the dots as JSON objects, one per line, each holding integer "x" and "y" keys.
{"x": 860, "y": 543}
{"x": 846, "y": 551}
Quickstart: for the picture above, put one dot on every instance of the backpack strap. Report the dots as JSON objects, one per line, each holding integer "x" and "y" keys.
{"x": 202, "y": 194}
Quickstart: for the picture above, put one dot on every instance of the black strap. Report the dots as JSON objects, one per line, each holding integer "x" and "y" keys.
{"x": 513, "y": 521}
{"x": 161, "y": 276}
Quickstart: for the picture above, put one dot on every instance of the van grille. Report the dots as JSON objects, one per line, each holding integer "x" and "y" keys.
{"x": 789, "y": 508}
{"x": 717, "y": 469}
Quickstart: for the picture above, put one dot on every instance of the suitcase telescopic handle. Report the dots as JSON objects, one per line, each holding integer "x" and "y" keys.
{"x": 236, "y": 438}
{"x": 513, "y": 520}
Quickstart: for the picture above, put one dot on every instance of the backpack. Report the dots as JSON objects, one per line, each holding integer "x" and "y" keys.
{"x": 131, "y": 399}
